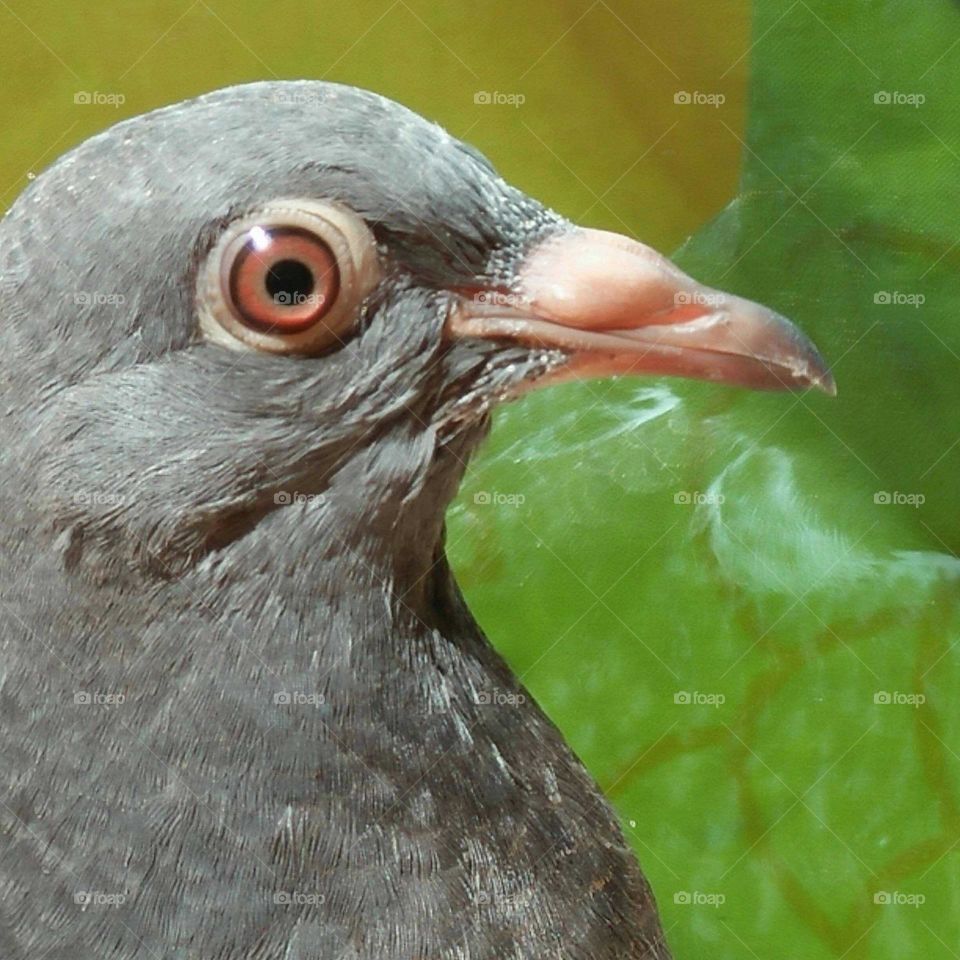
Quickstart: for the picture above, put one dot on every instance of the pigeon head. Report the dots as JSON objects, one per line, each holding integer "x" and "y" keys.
{"x": 291, "y": 307}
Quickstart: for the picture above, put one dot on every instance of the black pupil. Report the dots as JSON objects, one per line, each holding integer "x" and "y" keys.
{"x": 289, "y": 282}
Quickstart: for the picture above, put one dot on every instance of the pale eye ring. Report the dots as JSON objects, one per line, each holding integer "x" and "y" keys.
{"x": 288, "y": 278}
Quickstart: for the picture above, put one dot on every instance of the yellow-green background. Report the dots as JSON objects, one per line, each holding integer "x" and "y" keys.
{"x": 799, "y": 801}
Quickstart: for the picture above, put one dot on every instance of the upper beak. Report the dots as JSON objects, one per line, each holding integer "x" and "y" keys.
{"x": 617, "y": 306}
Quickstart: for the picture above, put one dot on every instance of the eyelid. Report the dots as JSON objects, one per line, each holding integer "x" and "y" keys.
{"x": 353, "y": 246}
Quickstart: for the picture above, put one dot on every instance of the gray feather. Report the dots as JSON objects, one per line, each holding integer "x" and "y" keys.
{"x": 244, "y": 707}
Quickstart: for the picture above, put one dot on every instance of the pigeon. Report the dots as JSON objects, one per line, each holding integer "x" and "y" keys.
{"x": 249, "y": 344}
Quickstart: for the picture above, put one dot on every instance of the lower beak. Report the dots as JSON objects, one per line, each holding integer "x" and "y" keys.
{"x": 616, "y": 306}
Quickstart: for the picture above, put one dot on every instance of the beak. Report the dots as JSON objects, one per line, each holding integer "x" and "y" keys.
{"x": 616, "y": 306}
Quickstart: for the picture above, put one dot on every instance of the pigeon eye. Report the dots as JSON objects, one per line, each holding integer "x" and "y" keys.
{"x": 288, "y": 278}
{"x": 281, "y": 280}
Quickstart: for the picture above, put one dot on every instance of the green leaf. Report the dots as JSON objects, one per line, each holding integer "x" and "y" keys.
{"x": 783, "y": 566}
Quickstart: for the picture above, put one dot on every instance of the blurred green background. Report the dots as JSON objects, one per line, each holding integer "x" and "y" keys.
{"x": 741, "y": 609}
